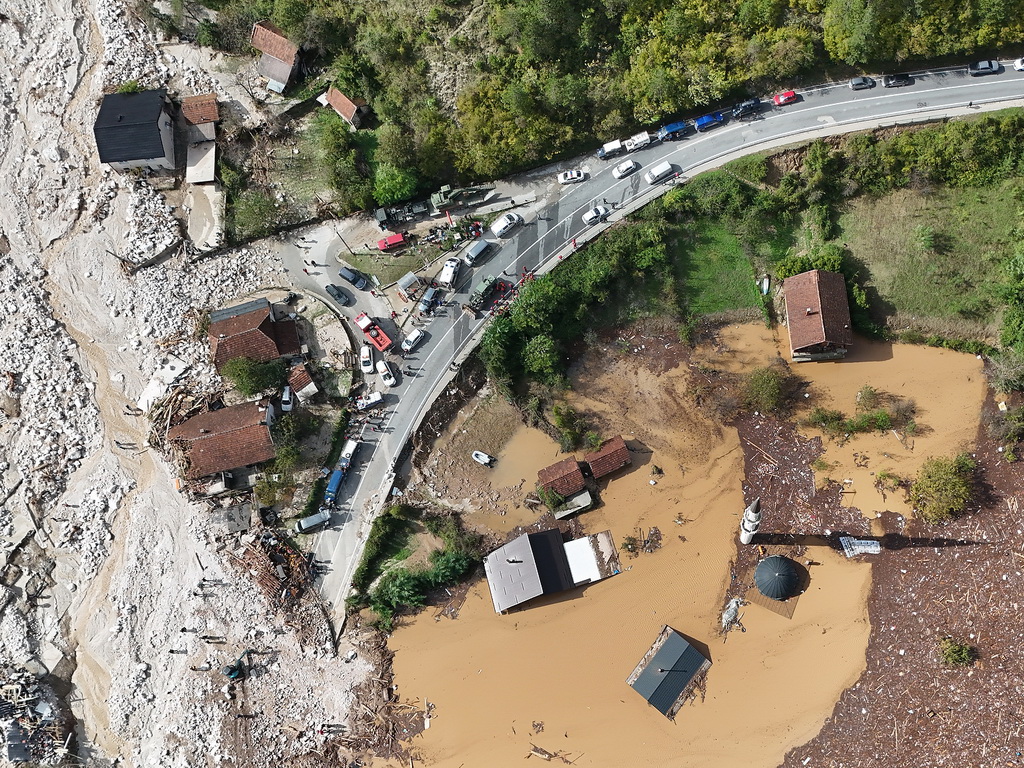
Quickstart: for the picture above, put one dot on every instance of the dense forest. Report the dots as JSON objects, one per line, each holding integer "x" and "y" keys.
{"x": 474, "y": 89}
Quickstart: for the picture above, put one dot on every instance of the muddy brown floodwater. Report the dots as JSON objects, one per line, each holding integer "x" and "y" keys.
{"x": 553, "y": 674}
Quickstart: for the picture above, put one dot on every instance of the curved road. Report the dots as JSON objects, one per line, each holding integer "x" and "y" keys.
{"x": 546, "y": 238}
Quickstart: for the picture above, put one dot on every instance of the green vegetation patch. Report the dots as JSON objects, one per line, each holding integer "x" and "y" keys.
{"x": 714, "y": 273}
{"x": 943, "y": 488}
{"x": 938, "y": 254}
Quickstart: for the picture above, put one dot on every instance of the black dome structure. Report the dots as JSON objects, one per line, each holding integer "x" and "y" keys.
{"x": 777, "y": 578}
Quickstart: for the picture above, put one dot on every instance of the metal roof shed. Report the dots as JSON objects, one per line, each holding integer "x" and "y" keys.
{"x": 668, "y": 671}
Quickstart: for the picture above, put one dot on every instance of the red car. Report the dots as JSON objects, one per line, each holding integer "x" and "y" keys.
{"x": 786, "y": 97}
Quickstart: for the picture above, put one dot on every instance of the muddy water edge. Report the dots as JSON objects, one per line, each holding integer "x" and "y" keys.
{"x": 553, "y": 674}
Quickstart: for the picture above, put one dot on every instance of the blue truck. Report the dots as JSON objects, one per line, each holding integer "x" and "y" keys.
{"x": 674, "y": 131}
{"x": 340, "y": 470}
{"x": 707, "y": 122}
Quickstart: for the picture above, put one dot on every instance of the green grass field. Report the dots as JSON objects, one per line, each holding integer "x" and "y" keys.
{"x": 937, "y": 256}
{"x": 712, "y": 269}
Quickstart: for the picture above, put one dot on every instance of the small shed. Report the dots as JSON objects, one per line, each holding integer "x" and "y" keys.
{"x": 201, "y": 114}
{"x": 668, "y": 672}
{"x": 280, "y": 59}
{"x": 353, "y": 111}
{"x": 818, "y": 315}
{"x": 612, "y": 455}
{"x": 409, "y": 285}
{"x": 301, "y": 382}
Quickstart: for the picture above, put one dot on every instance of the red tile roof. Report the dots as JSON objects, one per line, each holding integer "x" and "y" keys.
{"x": 299, "y": 378}
{"x": 198, "y": 110}
{"x": 343, "y": 105}
{"x": 232, "y": 437}
{"x": 272, "y": 41}
{"x": 564, "y": 478}
{"x": 254, "y": 335}
{"x": 612, "y": 455}
{"x": 817, "y": 310}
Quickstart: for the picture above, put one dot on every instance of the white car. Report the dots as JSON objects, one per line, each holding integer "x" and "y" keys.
{"x": 624, "y": 169}
{"x": 366, "y": 359}
{"x": 571, "y": 177}
{"x": 506, "y": 224}
{"x": 1018, "y": 64}
{"x": 412, "y": 340}
{"x": 596, "y": 214}
{"x": 386, "y": 374}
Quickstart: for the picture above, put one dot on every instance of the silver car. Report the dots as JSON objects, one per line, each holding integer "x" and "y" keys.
{"x": 861, "y": 83}
{"x": 506, "y": 224}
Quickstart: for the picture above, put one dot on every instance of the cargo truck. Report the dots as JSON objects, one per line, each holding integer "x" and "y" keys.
{"x": 483, "y": 290}
{"x": 340, "y": 470}
{"x": 639, "y": 141}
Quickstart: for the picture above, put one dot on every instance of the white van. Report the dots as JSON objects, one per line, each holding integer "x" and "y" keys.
{"x": 659, "y": 172}
{"x": 314, "y": 522}
{"x": 476, "y": 251}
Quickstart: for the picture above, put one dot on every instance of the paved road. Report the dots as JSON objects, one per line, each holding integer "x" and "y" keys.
{"x": 552, "y": 224}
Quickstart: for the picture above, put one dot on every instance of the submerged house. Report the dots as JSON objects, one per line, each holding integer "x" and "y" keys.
{"x": 536, "y": 564}
{"x": 250, "y": 330}
{"x": 280, "y": 60}
{"x": 135, "y": 130}
{"x": 611, "y": 456}
{"x": 668, "y": 672}
{"x": 565, "y": 478}
{"x": 818, "y": 315}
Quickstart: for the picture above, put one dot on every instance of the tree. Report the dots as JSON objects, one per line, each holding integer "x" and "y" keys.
{"x": 392, "y": 184}
{"x": 255, "y": 215}
{"x": 541, "y": 358}
{"x": 765, "y": 389}
{"x": 394, "y": 146}
{"x": 251, "y": 377}
{"x": 943, "y": 488}
{"x": 851, "y": 30}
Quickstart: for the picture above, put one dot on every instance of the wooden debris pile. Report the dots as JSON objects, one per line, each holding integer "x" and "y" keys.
{"x": 178, "y": 406}
{"x": 30, "y": 717}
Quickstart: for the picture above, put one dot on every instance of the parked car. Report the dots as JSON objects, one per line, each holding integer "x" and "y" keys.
{"x": 1018, "y": 64}
{"x": 428, "y": 299}
{"x": 596, "y": 214}
{"x": 622, "y": 170}
{"x": 315, "y": 522}
{"x": 476, "y": 251}
{"x": 414, "y": 338}
{"x": 287, "y": 402}
{"x": 861, "y": 83}
{"x": 979, "y": 68}
{"x": 897, "y": 81}
{"x": 747, "y": 108}
{"x": 506, "y": 224}
{"x": 338, "y": 295}
{"x": 673, "y": 131}
{"x": 659, "y": 172}
{"x": 786, "y": 97}
{"x": 366, "y": 359}
{"x": 571, "y": 177}
{"x": 353, "y": 277}
{"x": 709, "y": 121}
{"x": 386, "y": 374}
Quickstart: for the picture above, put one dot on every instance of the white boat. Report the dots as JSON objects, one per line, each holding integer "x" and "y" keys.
{"x": 482, "y": 458}
{"x": 765, "y": 284}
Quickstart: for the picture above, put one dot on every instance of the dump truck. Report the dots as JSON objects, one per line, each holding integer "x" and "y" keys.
{"x": 449, "y": 274}
{"x": 639, "y": 141}
{"x": 377, "y": 338}
{"x": 483, "y": 290}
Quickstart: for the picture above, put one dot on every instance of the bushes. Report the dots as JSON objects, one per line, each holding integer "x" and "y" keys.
{"x": 767, "y": 389}
{"x": 954, "y": 653}
{"x": 393, "y": 521}
{"x": 251, "y": 378}
{"x": 943, "y": 488}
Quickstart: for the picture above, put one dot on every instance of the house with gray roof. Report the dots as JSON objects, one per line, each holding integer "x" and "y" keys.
{"x": 135, "y": 130}
{"x": 536, "y": 564}
{"x": 668, "y": 672}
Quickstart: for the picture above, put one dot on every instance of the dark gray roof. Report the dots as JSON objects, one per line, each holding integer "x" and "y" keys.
{"x": 275, "y": 69}
{"x": 776, "y": 577}
{"x": 227, "y": 313}
{"x": 682, "y": 663}
{"x": 552, "y": 562}
{"x": 128, "y": 127}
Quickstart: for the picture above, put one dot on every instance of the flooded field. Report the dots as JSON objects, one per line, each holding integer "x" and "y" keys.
{"x": 553, "y": 674}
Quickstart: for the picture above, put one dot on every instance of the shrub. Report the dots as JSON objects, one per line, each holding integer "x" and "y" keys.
{"x": 826, "y": 420}
{"x": 392, "y": 522}
{"x": 254, "y": 215}
{"x": 943, "y": 488}
{"x": 764, "y": 389}
{"x": 954, "y": 653}
{"x": 868, "y": 398}
{"x": 129, "y": 86}
{"x": 553, "y": 500}
{"x": 250, "y": 377}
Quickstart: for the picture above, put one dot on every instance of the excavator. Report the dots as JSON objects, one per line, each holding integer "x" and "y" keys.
{"x": 238, "y": 670}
